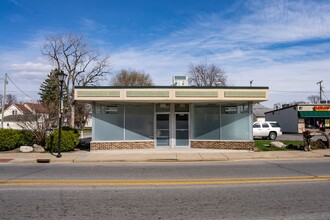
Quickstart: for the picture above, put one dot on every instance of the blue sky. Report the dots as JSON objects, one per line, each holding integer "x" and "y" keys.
{"x": 281, "y": 44}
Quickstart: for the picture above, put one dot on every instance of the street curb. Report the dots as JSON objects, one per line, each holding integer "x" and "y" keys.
{"x": 188, "y": 156}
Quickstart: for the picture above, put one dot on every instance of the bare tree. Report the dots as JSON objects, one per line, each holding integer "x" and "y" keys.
{"x": 84, "y": 65}
{"x": 85, "y": 112}
{"x": 131, "y": 78}
{"x": 313, "y": 99}
{"x": 11, "y": 99}
{"x": 206, "y": 75}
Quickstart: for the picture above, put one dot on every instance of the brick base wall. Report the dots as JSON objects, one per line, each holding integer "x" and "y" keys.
{"x": 235, "y": 145}
{"x": 121, "y": 145}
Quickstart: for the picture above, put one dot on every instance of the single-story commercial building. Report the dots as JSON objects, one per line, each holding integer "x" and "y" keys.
{"x": 172, "y": 116}
{"x": 300, "y": 117}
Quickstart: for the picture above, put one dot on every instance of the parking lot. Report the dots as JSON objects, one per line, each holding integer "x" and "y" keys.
{"x": 290, "y": 137}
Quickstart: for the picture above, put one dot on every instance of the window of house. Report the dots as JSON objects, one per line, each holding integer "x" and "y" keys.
{"x": 14, "y": 112}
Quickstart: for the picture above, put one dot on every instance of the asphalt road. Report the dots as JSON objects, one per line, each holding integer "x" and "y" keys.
{"x": 231, "y": 190}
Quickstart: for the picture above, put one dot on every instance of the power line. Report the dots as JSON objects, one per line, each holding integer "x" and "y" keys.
{"x": 19, "y": 88}
{"x": 291, "y": 91}
{"x": 13, "y": 91}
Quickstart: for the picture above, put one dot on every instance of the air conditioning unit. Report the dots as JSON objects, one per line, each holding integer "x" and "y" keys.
{"x": 180, "y": 80}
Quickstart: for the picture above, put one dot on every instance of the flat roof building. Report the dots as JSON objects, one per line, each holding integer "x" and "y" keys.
{"x": 172, "y": 116}
{"x": 300, "y": 117}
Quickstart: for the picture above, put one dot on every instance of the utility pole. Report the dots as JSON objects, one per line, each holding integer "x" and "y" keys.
{"x": 320, "y": 82}
{"x": 4, "y": 99}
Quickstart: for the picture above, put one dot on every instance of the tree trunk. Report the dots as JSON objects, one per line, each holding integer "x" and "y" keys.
{"x": 72, "y": 106}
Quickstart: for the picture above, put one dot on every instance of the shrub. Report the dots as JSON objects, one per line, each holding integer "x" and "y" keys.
{"x": 69, "y": 140}
{"x": 26, "y": 138}
{"x": 11, "y": 139}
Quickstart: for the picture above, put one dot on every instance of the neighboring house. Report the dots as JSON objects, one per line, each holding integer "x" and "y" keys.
{"x": 259, "y": 112}
{"x": 84, "y": 120}
{"x": 170, "y": 116}
{"x": 27, "y": 115}
{"x": 89, "y": 123}
{"x": 300, "y": 117}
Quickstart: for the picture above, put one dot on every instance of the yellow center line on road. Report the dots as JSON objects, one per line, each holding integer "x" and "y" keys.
{"x": 207, "y": 181}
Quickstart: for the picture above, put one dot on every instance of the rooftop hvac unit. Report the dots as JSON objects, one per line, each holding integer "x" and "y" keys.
{"x": 180, "y": 81}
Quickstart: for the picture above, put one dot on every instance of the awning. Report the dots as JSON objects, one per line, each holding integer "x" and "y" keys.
{"x": 314, "y": 114}
{"x": 171, "y": 94}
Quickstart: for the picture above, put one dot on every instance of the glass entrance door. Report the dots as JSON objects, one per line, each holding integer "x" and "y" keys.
{"x": 163, "y": 129}
{"x": 182, "y": 129}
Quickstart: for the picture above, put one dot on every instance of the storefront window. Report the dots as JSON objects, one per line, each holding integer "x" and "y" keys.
{"x": 119, "y": 122}
{"x": 235, "y": 122}
{"x": 314, "y": 122}
{"x": 206, "y": 120}
{"x": 163, "y": 107}
{"x": 139, "y": 122}
{"x": 327, "y": 123}
{"x": 181, "y": 107}
{"x": 109, "y": 122}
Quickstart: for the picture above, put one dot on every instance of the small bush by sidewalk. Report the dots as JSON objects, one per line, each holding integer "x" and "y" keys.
{"x": 69, "y": 137}
{"x": 11, "y": 139}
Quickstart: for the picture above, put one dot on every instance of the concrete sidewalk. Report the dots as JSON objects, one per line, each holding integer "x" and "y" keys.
{"x": 160, "y": 155}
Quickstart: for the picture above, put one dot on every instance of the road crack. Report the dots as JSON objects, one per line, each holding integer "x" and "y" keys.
{"x": 291, "y": 169}
{"x": 23, "y": 175}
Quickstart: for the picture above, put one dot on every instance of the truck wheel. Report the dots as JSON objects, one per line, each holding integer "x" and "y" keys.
{"x": 272, "y": 135}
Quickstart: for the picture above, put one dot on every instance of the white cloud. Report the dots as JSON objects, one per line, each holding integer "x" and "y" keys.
{"x": 281, "y": 21}
{"x": 92, "y": 25}
{"x": 30, "y": 67}
{"x": 25, "y": 66}
{"x": 266, "y": 44}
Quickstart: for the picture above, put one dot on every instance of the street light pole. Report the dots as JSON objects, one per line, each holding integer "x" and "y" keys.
{"x": 61, "y": 78}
